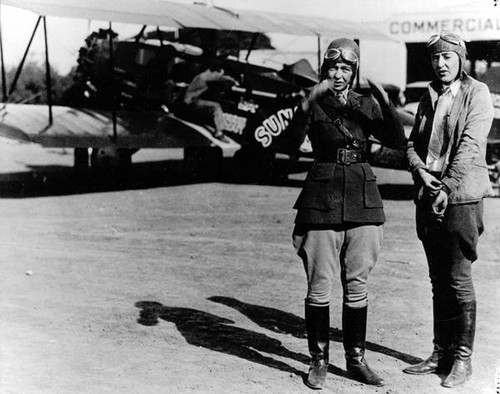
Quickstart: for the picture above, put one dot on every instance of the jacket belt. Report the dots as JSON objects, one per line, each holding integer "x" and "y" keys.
{"x": 348, "y": 156}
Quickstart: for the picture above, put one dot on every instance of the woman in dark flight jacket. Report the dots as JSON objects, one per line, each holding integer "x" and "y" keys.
{"x": 338, "y": 226}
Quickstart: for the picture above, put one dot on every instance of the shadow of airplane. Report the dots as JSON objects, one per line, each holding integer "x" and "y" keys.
{"x": 287, "y": 323}
{"x": 55, "y": 180}
{"x": 43, "y": 181}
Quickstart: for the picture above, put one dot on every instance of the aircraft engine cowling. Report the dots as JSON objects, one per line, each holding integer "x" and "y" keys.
{"x": 94, "y": 84}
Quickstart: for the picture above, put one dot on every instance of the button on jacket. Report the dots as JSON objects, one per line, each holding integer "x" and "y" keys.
{"x": 336, "y": 193}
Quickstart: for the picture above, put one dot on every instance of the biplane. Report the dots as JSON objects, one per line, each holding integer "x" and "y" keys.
{"x": 126, "y": 91}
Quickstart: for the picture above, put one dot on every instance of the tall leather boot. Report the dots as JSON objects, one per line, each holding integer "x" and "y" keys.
{"x": 354, "y": 336}
{"x": 464, "y": 340}
{"x": 441, "y": 359}
{"x": 317, "y": 327}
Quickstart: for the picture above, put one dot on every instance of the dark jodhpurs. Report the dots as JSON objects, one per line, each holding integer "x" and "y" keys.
{"x": 450, "y": 247}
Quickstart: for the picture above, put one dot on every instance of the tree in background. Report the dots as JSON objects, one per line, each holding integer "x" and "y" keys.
{"x": 31, "y": 87}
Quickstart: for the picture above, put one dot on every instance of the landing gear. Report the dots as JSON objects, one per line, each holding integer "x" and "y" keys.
{"x": 254, "y": 164}
{"x": 81, "y": 160}
{"x": 106, "y": 160}
{"x": 110, "y": 159}
{"x": 201, "y": 163}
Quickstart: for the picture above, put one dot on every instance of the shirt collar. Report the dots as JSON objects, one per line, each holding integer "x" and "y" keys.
{"x": 454, "y": 87}
{"x": 434, "y": 92}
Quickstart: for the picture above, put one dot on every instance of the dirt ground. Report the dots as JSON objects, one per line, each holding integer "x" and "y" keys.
{"x": 157, "y": 284}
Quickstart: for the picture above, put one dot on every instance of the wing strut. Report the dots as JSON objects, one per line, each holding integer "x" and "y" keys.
{"x": 251, "y": 46}
{"x": 47, "y": 72}
{"x": 160, "y": 35}
{"x": 19, "y": 69}
{"x": 140, "y": 34}
{"x": 319, "y": 55}
{"x": 112, "y": 69}
{"x": 358, "y": 73}
{"x": 4, "y": 83}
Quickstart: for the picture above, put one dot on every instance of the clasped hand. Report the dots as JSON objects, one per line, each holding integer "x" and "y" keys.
{"x": 433, "y": 187}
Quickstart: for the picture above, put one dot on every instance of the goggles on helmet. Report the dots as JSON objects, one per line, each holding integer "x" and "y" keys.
{"x": 346, "y": 54}
{"x": 450, "y": 38}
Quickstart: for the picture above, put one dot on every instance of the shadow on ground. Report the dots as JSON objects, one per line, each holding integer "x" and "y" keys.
{"x": 219, "y": 334}
{"x": 287, "y": 323}
{"x": 42, "y": 181}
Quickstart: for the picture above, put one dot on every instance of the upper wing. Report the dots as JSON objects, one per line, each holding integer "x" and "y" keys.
{"x": 180, "y": 15}
{"x": 74, "y": 128}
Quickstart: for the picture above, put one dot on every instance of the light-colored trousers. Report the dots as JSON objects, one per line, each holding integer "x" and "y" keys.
{"x": 327, "y": 252}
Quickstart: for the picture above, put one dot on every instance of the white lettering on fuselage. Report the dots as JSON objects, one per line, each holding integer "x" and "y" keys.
{"x": 234, "y": 123}
{"x": 248, "y": 106}
{"x": 273, "y": 126}
{"x": 457, "y": 25}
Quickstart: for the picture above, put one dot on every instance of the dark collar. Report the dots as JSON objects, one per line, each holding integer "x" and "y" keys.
{"x": 330, "y": 101}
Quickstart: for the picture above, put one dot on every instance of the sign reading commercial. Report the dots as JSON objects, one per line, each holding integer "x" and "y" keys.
{"x": 471, "y": 26}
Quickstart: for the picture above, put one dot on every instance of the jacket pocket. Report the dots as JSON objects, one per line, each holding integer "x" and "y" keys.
{"x": 321, "y": 172}
{"x": 319, "y": 190}
{"x": 371, "y": 193}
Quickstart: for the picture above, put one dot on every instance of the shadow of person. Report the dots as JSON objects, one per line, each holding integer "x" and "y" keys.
{"x": 219, "y": 334}
{"x": 287, "y": 323}
{"x": 283, "y": 323}
{"x": 272, "y": 319}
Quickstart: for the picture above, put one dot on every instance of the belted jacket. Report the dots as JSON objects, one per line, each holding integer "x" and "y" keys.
{"x": 337, "y": 192}
{"x": 465, "y": 176}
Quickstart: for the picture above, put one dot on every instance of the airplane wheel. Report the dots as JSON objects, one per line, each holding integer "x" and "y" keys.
{"x": 202, "y": 162}
{"x": 110, "y": 159}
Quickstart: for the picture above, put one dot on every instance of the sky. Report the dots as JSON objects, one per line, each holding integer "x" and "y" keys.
{"x": 67, "y": 35}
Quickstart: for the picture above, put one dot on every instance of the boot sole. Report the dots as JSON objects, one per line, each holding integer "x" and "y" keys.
{"x": 420, "y": 373}
{"x": 314, "y": 387}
